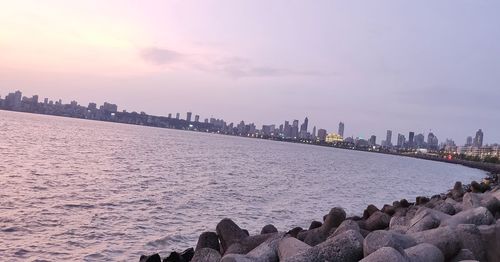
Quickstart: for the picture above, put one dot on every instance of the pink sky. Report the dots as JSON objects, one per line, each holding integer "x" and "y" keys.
{"x": 374, "y": 65}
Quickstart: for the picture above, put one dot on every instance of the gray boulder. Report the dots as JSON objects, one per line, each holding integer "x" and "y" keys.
{"x": 345, "y": 226}
{"x": 265, "y": 252}
{"x": 491, "y": 238}
{"x": 382, "y": 238}
{"x": 315, "y": 236}
{"x": 229, "y": 233}
{"x": 377, "y": 220}
{"x": 347, "y": 247}
{"x": 444, "y": 238}
{"x": 470, "y": 238}
{"x": 151, "y": 258}
{"x": 424, "y": 253}
{"x": 463, "y": 254}
{"x": 289, "y": 247}
{"x": 477, "y": 216}
{"x": 315, "y": 224}
{"x": 426, "y": 219}
{"x": 206, "y": 255}
{"x": 246, "y": 244}
{"x": 208, "y": 240}
{"x": 385, "y": 254}
{"x": 488, "y": 200}
{"x": 268, "y": 229}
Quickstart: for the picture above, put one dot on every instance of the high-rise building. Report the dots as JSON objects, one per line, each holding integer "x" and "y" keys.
{"x": 341, "y": 129}
{"x": 401, "y": 140}
{"x": 196, "y": 118}
{"x": 432, "y": 141}
{"x": 295, "y": 129}
{"x": 419, "y": 141}
{"x": 188, "y": 116}
{"x": 373, "y": 140}
{"x": 388, "y": 138}
{"x": 321, "y": 135}
{"x": 468, "y": 141}
{"x": 303, "y": 127}
{"x": 478, "y": 140}
{"x": 287, "y": 130}
{"x": 314, "y": 133}
{"x": 411, "y": 136}
{"x": 177, "y": 116}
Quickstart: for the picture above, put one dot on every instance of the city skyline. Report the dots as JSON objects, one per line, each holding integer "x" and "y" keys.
{"x": 16, "y": 101}
{"x": 377, "y": 66}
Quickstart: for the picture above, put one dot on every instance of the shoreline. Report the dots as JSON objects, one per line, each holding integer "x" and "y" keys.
{"x": 487, "y": 167}
{"x": 458, "y": 225}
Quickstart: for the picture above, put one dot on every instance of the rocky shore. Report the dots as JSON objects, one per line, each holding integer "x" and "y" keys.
{"x": 460, "y": 225}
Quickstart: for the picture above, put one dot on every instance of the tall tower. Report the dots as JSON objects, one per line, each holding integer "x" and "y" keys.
{"x": 341, "y": 129}
{"x": 188, "y": 116}
{"x": 411, "y": 136}
{"x": 303, "y": 127}
{"x": 388, "y": 138}
{"x": 478, "y": 140}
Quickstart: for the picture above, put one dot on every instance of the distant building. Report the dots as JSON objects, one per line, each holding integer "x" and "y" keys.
{"x": 432, "y": 141}
{"x": 341, "y": 129}
{"x": 196, "y": 118}
{"x": 332, "y": 138}
{"x": 295, "y": 129}
{"x": 373, "y": 140}
{"x": 468, "y": 141}
{"x": 177, "y": 116}
{"x": 188, "y": 116}
{"x": 420, "y": 141}
{"x": 411, "y": 137}
{"x": 478, "y": 140}
{"x": 401, "y": 141}
{"x": 388, "y": 138}
{"x": 304, "y": 125}
{"x": 321, "y": 135}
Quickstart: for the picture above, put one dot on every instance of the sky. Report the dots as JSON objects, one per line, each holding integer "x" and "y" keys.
{"x": 375, "y": 65}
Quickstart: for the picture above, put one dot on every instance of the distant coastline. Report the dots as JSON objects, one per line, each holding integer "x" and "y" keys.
{"x": 183, "y": 125}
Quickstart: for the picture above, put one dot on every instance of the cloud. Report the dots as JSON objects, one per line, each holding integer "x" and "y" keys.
{"x": 232, "y": 66}
{"x": 160, "y": 56}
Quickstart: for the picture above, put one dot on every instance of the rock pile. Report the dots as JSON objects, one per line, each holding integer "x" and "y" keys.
{"x": 461, "y": 225}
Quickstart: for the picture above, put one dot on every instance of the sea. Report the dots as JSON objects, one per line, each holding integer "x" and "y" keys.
{"x": 74, "y": 189}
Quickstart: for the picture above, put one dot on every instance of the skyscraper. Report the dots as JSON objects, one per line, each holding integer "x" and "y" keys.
{"x": 322, "y": 135}
{"x": 295, "y": 129}
{"x": 188, "y": 116}
{"x": 411, "y": 136}
{"x": 303, "y": 127}
{"x": 196, "y": 118}
{"x": 388, "y": 138}
{"x": 177, "y": 115}
{"x": 468, "y": 141}
{"x": 401, "y": 140}
{"x": 478, "y": 140}
{"x": 373, "y": 140}
{"x": 341, "y": 129}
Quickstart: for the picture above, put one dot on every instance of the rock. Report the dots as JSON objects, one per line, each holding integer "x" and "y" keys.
{"x": 369, "y": 211}
{"x": 446, "y": 208}
{"x": 404, "y": 203}
{"x": 388, "y": 209}
{"x": 385, "y": 254}
{"x": 229, "y": 233}
{"x": 457, "y": 205}
{"x": 476, "y": 187}
{"x": 477, "y": 216}
{"x": 206, "y": 255}
{"x": 426, "y": 219}
{"x": 295, "y": 231}
{"x": 184, "y": 256}
{"x": 246, "y": 232}
{"x": 268, "y": 229}
{"x": 424, "y": 253}
{"x": 463, "y": 254}
{"x": 345, "y": 226}
{"x": 315, "y": 224}
{"x": 267, "y": 251}
{"x": 208, "y": 240}
{"x": 444, "y": 238}
{"x": 315, "y": 236}
{"x": 491, "y": 238}
{"x": 473, "y": 200}
{"x": 382, "y": 238}
{"x": 458, "y": 191}
{"x": 399, "y": 224}
{"x": 421, "y": 200}
{"x": 470, "y": 238}
{"x": 347, "y": 247}
{"x": 289, "y": 247}
{"x": 246, "y": 244}
{"x": 151, "y": 258}
{"x": 376, "y": 221}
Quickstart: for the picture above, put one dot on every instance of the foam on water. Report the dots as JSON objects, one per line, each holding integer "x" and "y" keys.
{"x": 86, "y": 190}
